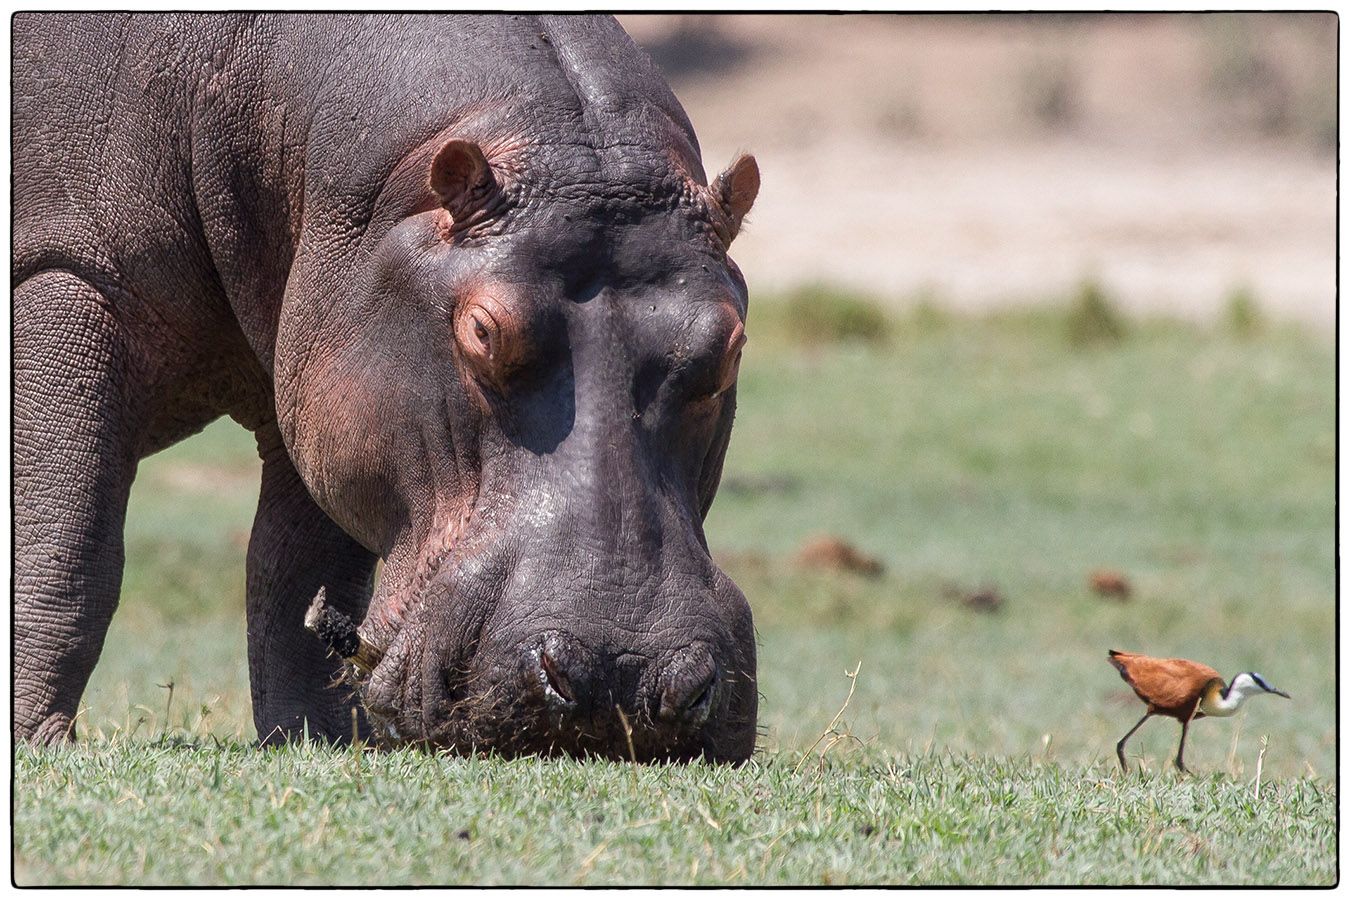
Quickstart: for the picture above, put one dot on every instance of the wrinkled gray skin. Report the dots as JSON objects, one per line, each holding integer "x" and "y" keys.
{"x": 466, "y": 282}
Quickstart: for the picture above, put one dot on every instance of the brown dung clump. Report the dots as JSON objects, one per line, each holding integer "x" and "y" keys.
{"x": 1110, "y": 583}
{"x": 831, "y": 553}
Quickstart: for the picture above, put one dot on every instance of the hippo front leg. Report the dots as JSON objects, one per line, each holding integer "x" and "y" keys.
{"x": 294, "y": 550}
{"x": 75, "y": 419}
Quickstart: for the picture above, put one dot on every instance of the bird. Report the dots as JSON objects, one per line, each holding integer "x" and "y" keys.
{"x": 1183, "y": 690}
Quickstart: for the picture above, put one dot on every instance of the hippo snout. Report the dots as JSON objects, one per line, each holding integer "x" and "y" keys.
{"x": 659, "y": 675}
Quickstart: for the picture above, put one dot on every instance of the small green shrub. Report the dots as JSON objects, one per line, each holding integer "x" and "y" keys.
{"x": 1092, "y": 317}
{"x": 1242, "y": 312}
{"x": 821, "y": 315}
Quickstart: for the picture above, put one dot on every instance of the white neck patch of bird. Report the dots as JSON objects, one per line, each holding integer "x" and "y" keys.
{"x": 1245, "y": 684}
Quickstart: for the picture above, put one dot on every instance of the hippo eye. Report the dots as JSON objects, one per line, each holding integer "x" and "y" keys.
{"x": 715, "y": 371}
{"x": 729, "y": 373}
{"x": 494, "y": 341}
{"x": 731, "y": 364}
{"x": 480, "y": 331}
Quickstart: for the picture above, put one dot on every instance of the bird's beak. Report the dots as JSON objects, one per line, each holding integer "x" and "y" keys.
{"x": 1281, "y": 693}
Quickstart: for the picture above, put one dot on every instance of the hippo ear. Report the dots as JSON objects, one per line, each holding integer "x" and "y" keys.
{"x": 734, "y": 191}
{"x": 462, "y": 179}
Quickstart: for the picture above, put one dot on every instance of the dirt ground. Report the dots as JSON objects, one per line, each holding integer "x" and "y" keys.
{"x": 983, "y": 160}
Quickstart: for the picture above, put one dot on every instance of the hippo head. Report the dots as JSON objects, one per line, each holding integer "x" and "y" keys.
{"x": 517, "y": 387}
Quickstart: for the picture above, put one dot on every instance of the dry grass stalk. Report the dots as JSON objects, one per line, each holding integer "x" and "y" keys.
{"x": 168, "y": 704}
{"x": 830, "y": 729}
{"x": 1260, "y": 758}
{"x": 628, "y": 736}
{"x": 356, "y": 751}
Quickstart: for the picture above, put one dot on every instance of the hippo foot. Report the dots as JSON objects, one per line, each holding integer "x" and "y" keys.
{"x": 56, "y": 729}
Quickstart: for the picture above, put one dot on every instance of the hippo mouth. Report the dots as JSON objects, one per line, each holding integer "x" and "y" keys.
{"x": 526, "y": 707}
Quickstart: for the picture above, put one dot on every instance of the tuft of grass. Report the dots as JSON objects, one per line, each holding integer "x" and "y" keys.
{"x": 1092, "y": 318}
{"x": 1242, "y": 312}
{"x": 816, "y": 315}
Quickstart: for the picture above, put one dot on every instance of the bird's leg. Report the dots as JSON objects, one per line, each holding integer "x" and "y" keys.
{"x": 1120, "y": 747}
{"x": 1181, "y": 748}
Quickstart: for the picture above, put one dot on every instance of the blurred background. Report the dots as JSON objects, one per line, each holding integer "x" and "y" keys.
{"x": 981, "y": 160}
{"x": 1040, "y": 364}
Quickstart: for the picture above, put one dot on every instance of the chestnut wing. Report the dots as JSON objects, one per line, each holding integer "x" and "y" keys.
{"x": 1166, "y": 685}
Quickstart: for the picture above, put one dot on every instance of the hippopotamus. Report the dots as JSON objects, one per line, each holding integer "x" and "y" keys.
{"x": 465, "y": 280}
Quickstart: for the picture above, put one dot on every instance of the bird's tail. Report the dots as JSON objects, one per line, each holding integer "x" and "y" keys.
{"x": 1117, "y": 658}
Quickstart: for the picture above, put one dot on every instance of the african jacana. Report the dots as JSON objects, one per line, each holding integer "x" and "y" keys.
{"x": 1183, "y": 690}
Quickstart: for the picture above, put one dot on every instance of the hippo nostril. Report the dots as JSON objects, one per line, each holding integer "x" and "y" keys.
{"x": 689, "y": 698}
{"x": 704, "y": 698}
{"x": 555, "y": 682}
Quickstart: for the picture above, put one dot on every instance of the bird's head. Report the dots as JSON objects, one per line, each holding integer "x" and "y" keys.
{"x": 1249, "y": 684}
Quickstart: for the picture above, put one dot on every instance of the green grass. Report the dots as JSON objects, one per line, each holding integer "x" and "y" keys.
{"x": 160, "y": 813}
{"x": 979, "y": 748}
